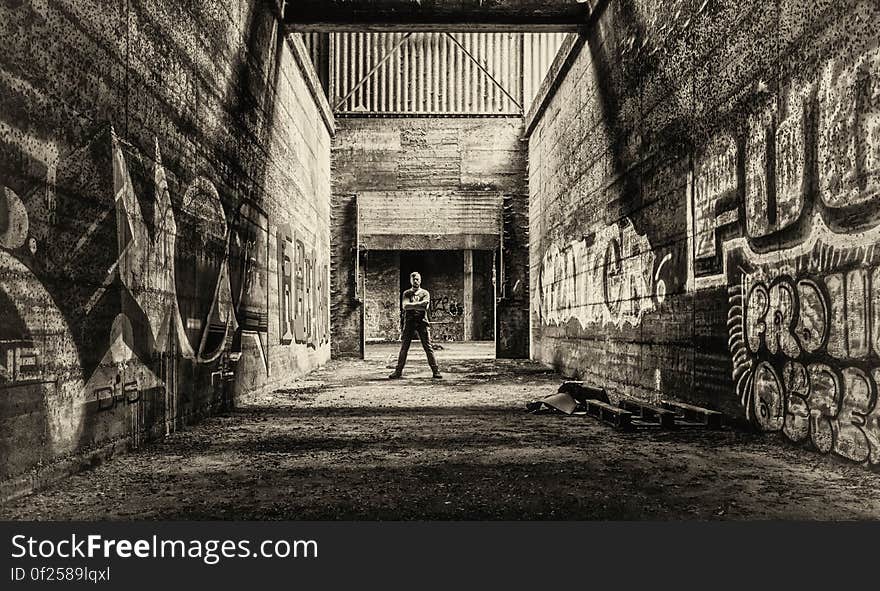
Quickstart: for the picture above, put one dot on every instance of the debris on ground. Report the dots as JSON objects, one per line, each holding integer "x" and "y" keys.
{"x": 559, "y": 402}
{"x": 582, "y": 392}
{"x": 571, "y": 398}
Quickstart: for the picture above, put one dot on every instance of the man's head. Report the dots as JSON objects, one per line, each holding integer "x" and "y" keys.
{"x": 415, "y": 279}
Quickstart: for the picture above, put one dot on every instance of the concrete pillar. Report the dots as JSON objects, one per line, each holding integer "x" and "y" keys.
{"x": 468, "y": 297}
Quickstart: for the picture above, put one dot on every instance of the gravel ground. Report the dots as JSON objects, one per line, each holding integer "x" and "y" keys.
{"x": 345, "y": 443}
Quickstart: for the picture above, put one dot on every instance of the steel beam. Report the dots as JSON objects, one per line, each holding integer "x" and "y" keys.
{"x": 435, "y": 15}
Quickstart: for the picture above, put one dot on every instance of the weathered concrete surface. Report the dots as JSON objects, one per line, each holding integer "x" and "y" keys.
{"x": 387, "y": 352}
{"x": 382, "y": 296}
{"x": 430, "y": 219}
{"x": 348, "y": 444}
{"x": 164, "y": 181}
{"x": 346, "y": 325}
{"x": 437, "y": 157}
{"x": 704, "y": 219}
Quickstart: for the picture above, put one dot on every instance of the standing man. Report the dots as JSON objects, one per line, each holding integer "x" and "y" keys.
{"x": 415, "y": 303}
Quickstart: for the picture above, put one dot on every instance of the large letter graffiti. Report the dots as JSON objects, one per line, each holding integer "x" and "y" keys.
{"x": 849, "y": 144}
{"x": 611, "y": 279}
{"x": 285, "y": 283}
{"x": 300, "y": 320}
{"x": 35, "y": 347}
{"x": 249, "y": 279}
{"x": 317, "y": 273}
{"x": 715, "y": 192}
{"x": 804, "y": 277}
{"x": 805, "y": 339}
{"x": 321, "y": 301}
{"x": 303, "y": 292}
{"x": 206, "y": 319}
{"x": 145, "y": 265}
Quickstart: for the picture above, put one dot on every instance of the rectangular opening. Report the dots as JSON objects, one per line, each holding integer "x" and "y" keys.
{"x": 462, "y": 312}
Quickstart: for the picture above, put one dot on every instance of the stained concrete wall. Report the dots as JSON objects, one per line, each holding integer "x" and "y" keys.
{"x": 443, "y": 275}
{"x": 703, "y": 190}
{"x": 346, "y": 280}
{"x": 382, "y": 299}
{"x": 483, "y": 321}
{"x": 443, "y": 156}
{"x": 165, "y": 182}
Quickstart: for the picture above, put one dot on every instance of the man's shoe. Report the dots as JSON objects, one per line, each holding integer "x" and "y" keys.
{"x": 395, "y": 376}
{"x": 437, "y": 376}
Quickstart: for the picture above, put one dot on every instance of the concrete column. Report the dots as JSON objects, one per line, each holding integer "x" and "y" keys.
{"x": 468, "y": 297}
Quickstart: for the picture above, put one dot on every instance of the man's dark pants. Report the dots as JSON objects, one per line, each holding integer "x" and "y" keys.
{"x": 410, "y": 329}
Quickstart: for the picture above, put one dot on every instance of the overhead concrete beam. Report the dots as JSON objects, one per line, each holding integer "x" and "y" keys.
{"x": 435, "y": 15}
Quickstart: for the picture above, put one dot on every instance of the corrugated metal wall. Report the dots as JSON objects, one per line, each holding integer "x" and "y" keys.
{"x": 539, "y": 51}
{"x": 318, "y": 45}
{"x": 437, "y": 73}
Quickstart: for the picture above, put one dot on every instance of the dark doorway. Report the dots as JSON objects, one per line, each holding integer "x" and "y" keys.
{"x": 462, "y": 312}
{"x": 455, "y": 314}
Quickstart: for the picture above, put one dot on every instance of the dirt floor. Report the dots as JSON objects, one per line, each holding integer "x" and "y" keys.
{"x": 345, "y": 443}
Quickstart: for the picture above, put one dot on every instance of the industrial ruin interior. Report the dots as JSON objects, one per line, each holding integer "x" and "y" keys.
{"x": 209, "y": 211}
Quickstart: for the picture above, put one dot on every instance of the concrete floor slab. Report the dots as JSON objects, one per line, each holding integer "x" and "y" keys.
{"x": 456, "y": 350}
{"x": 346, "y": 443}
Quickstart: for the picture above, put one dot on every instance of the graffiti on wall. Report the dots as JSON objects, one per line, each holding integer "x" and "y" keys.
{"x": 89, "y": 328}
{"x": 285, "y": 283}
{"x": 249, "y": 257}
{"x": 446, "y": 316}
{"x": 445, "y": 306}
{"x": 715, "y": 201}
{"x": 803, "y": 276}
{"x": 176, "y": 290}
{"x": 36, "y": 344}
{"x": 19, "y": 361}
{"x": 20, "y": 353}
{"x": 610, "y": 278}
{"x": 805, "y": 337}
{"x": 303, "y": 292}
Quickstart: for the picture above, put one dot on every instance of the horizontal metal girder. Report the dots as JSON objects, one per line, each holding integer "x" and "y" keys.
{"x": 435, "y": 15}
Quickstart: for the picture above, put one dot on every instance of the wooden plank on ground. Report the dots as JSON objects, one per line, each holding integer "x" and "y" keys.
{"x": 698, "y": 415}
{"x": 615, "y": 416}
{"x": 663, "y": 417}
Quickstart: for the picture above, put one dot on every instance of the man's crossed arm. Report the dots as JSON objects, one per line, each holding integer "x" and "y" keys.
{"x": 422, "y": 304}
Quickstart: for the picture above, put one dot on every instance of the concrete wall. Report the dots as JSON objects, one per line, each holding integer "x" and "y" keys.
{"x": 346, "y": 311}
{"x": 382, "y": 301}
{"x": 164, "y": 172}
{"x": 704, "y": 190}
{"x": 483, "y": 320}
{"x": 449, "y": 156}
{"x": 443, "y": 276}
